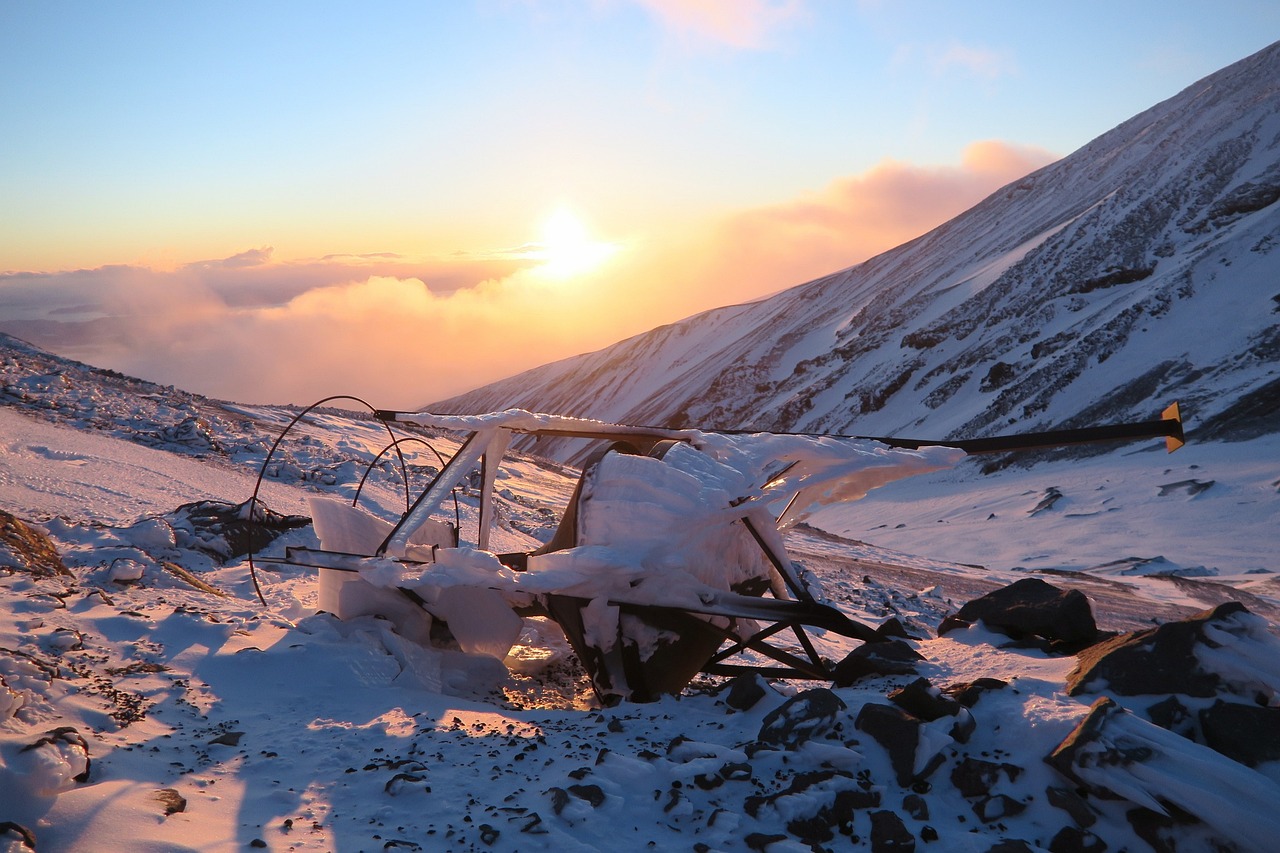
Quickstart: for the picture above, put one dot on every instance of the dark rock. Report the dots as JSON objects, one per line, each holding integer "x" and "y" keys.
{"x": 1031, "y": 608}
{"x": 68, "y": 735}
{"x": 899, "y": 733}
{"x": 873, "y": 659}
{"x": 15, "y": 833}
{"x": 975, "y": 777}
{"x": 928, "y": 833}
{"x": 1162, "y": 832}
{"x": 889, "y": 833}
{"x": 807, "y": 715}
{"x": 1010, "y": 845}
{"x": 1249, "y": 734}
{"x": 893, "y": 627}
{"x": 489, "y": 835}
{"x": 228, "y": 739}
{"x": 923, "y": 700}
{"x": 1071, "y": 839}
{"x": 559, "y": 799}
{"x": 915, "y": 806}
{"x": 1063, "y": 757}
{"x": 593, "y": 794}
{"x": 1157, "y": 661}
{"x": 760, "y": 841}
{"x": 1073, "y": 804}
{"x": 992, "y": 809}
{"x": 1171, "y": 714}
{"x": 744, "y": 691}
{"x": 967, "y": 693}
{"x": 844, "y": 801}
{"x": 226, "y": 531}
{"x": 834, "y": 816}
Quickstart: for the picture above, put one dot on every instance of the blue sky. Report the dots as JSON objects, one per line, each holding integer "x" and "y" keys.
{"x": 432, "y": 135}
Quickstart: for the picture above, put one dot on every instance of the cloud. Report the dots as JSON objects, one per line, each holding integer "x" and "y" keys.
{"x": 736, "y": 23}
{"x": 401, "y": 332}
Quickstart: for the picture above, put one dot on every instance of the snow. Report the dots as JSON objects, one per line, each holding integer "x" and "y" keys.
{"x": 284, "y": 727}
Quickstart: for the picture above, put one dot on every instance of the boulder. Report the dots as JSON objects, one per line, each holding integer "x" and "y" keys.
{"x": 1031, "y": 608}
{"x": 807, "y": 715}
{"x": 874, "y": 659}
{"x": 1159, "y": 660}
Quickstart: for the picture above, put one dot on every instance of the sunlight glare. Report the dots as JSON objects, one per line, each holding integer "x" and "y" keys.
{"x": 566, "y": 247}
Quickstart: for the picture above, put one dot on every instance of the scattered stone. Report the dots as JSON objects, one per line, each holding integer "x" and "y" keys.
{"x": 889, "y": 834}
{"x": 1031, "y": 608}
{"x": 807, "y": 715}
{"x": 874, "y": 659}
{"x": 967, "y": 693}
{"x": 172, "y": 801}
{"x": 228, "y": 739}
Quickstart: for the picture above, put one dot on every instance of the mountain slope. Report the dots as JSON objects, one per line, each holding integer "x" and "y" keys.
{"x": 1139, "y": 269}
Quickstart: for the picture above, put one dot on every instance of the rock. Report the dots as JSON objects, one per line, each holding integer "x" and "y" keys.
{"x": 1171, "y": 714}
{"x": 921, "y": 699}
{"x": 15, "y": 836}
{"x": 592, "y": 794}
{"x": 172, "y": 801}
{"x": 915, "y": 806}
{"x": 807, "y": 715}
{"x": 889, "y": 834}
{"x": 808, "y": 786}
{"x": 58, "y": 761}
{"x": 1073, "y": 804}
{"x": 28, "y": 549}
{"x": 871, "y": 659}
{"x": 967, "y": 693}
{"x": 1249, "y": 734}
{"x": 1031, "y": 608}
{"x": 994, "y": 808}
{"x": 1118, "y": 754}
{"x": 1010, "y": 845}
{"x": 1071, "y": 839}
{"x": 744, "y": 691}
{"x": 899, "y": 733}
{"x": 1159, "y": 660}
{"x": 975, "y": 777}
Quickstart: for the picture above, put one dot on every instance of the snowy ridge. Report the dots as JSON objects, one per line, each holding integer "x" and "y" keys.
{"x": 1138, "y": 270}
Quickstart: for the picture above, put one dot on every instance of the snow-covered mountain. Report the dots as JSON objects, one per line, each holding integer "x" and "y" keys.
{"x": 1143, "y": 268}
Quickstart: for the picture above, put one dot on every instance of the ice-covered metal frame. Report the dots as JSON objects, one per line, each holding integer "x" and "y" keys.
{"x": 712, "y": 624}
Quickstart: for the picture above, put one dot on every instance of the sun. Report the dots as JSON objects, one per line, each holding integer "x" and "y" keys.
{"x": 566, "y": 247}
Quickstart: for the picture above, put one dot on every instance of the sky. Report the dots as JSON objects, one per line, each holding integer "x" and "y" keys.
{"x": 278, "y": 202}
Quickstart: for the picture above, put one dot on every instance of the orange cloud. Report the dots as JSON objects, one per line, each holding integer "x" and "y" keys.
{"x": 402, "y": 333}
